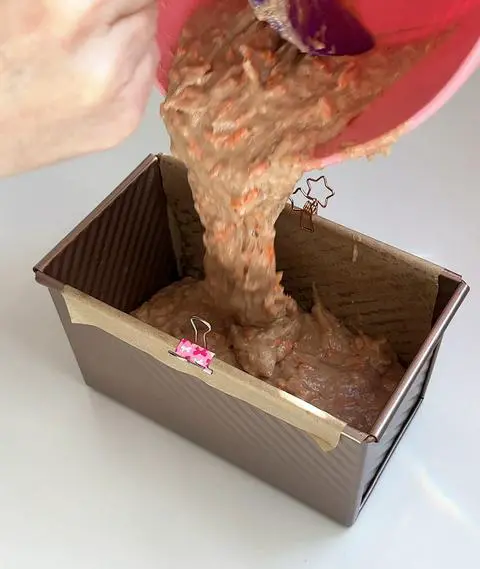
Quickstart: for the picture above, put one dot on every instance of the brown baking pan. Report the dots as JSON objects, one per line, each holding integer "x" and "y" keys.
{"x": 146, "y": 235}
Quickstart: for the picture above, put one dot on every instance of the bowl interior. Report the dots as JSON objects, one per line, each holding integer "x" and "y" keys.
{"x": 409, "y": 101}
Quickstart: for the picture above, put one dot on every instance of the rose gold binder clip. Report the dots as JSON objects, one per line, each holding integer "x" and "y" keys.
{"x": 312, "y": 203}
{"x": 192, "y": 352}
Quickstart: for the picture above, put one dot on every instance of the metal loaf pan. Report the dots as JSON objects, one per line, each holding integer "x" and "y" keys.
{"x": 146, "y": 235}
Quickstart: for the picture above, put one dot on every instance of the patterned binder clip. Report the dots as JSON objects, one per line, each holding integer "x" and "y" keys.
{"x": 194, "y": 353}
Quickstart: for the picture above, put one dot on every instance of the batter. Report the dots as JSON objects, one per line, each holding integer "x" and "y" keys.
{"x": 312, "y": 356}
{"x": 246, "y": 113}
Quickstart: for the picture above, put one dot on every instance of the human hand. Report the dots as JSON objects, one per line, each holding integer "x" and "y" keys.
{"x": 75, "y": 76}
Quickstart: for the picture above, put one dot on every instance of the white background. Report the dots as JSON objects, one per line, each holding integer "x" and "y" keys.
{"x": 85, "y": 483}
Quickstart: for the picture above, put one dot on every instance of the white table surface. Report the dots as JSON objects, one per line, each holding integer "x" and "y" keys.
{"x": 85, "y": 483}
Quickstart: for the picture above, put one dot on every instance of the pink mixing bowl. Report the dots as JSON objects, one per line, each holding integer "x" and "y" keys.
{"x": 409, "y": 101}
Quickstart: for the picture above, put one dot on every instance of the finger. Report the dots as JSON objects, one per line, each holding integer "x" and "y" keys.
{"x": 88, "y": 13}
{"x": 139, "y": 89}
{"x": 115, "y": 10}
{"x": 131, "y": 38}
{"x": 133, "y": 99}
{"x": 110, "y": 60}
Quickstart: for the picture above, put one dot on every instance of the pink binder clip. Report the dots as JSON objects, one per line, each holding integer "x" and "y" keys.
{"x": 192, "y": 352}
